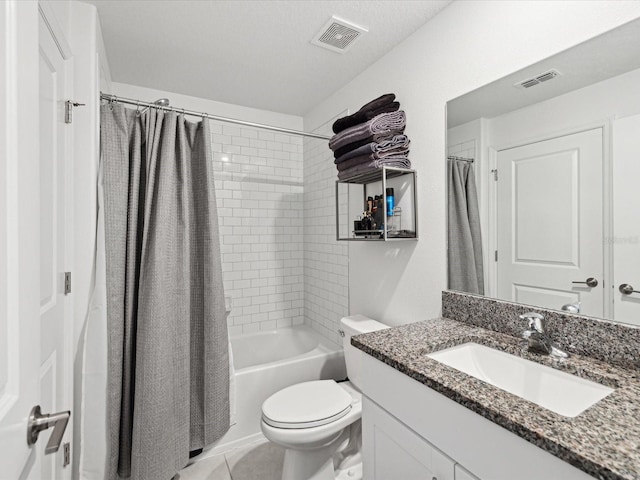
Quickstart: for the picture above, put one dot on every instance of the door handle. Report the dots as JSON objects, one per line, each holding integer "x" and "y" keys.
{"x": 590, "y": 282}
{"x": 39, "y": 422}
{"x": 627, "y": 289}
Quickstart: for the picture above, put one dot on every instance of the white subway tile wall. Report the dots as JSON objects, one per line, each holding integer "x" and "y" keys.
{"x": 326, "y": 261}
{"x": 259, "y": 191}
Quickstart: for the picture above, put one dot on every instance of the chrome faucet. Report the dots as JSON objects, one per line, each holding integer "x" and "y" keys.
{"x": 539, "y": 340}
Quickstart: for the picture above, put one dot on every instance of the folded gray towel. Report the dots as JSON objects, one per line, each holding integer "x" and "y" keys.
{"x": 399, "y": 162}
{"x": 378, "y": 137}
{"x": 380, "y": 124}
{"x": 378, "y": 149}
{"x": 352, "y": 162}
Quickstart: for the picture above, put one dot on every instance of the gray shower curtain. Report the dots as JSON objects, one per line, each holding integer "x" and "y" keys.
{"x": 465, "y": 243}
{"x": 168, "y": 372}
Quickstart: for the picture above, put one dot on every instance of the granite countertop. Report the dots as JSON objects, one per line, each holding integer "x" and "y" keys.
{"x": 603, "y": 441}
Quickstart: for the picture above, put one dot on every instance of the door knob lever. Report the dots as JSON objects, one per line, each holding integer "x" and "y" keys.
{"x": 590, "y": 282}
{"x": 627, "y": 289}
{"x": 39, "y": 422}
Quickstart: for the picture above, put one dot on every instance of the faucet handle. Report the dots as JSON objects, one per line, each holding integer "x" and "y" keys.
{"x": 536, "y": 321}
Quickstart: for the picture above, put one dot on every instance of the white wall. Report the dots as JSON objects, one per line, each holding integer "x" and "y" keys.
{"x": 464, "y": 140}
{"x": 467, "y": 45}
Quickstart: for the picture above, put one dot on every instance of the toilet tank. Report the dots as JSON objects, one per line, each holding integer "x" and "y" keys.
{"x": 355, "y": 325}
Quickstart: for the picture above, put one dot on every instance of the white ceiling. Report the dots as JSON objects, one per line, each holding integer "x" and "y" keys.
{"x": 252, "y": 53}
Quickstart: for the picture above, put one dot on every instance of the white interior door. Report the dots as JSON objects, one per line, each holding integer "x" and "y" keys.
{"x": 19, "y": 237}
{"x": 35, "y": 353}
{"x": 550, "y": 222}
{"x": 56, "y": 370}
{"x": 626, "y": 218}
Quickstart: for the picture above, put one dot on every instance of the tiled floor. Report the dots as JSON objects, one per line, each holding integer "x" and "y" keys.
{"x": 260, "y": 461}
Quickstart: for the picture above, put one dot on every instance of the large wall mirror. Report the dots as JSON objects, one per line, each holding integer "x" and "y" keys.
{"x": 544, "y": 182}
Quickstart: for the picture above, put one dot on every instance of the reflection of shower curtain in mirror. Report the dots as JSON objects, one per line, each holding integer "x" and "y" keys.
{"x": 465, "y": 244}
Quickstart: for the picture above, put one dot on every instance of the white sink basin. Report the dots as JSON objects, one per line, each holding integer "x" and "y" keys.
{"x": 557, "y": 391}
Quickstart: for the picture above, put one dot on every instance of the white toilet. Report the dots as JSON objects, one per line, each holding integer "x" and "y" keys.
{"x": 319, "y": 422}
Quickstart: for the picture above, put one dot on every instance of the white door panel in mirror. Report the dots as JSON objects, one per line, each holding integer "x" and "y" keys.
{"x": 545, "y": 215}
{"x": 550, "y": 232}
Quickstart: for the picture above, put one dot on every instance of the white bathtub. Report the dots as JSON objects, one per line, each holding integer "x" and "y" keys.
{"x": 266, "y": 362}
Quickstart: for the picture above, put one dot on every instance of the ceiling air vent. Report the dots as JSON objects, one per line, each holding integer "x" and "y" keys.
{"x": 338, "y": 35}
{"x": 538, "y": 79}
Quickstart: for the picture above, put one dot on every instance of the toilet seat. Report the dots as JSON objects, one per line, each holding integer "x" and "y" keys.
{"x": 306, "y": 405}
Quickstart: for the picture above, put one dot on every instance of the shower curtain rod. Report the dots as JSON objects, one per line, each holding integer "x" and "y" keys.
{"x": 138, "y": 103}
{"x": 462, "y": 159}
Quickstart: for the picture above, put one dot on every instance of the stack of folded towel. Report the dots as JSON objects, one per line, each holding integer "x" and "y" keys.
{"x": 371, "y": 138}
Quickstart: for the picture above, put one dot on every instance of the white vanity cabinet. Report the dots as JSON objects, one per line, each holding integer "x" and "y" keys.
{"x": 412, "y": 432}
{"x": 392, "y": 450}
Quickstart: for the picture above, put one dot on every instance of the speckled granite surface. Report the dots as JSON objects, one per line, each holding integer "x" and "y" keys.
{"x": 603, "y": 441}
{"x": 608, "y": 341}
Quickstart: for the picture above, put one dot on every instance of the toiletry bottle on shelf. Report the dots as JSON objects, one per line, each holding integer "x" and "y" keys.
{"x": 357, "y": 224}
{"x": 378, "y": 209}
{"x": 396, "y": 220}
{"x": 391, "y": 202}
{"x": 366, "y": 223}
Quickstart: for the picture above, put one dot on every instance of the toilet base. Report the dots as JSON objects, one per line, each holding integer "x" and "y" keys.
{"x": 314, "y": 464}
{"x": 323, "y": 471}
{"x": 354, "y": 472}
{"x": 340, "y": 459}
{"x": 348, "y": 462}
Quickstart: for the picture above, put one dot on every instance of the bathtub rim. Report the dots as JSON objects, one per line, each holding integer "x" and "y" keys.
{"x": 325, "y": 347}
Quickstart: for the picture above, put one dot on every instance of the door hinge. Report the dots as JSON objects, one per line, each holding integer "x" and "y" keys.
{"x": 495, "y": 255}
{"x": 66, "y": 448}
{"x": 67, "y": 283}
{"x": 68, "y": 110}
{"x": 495, "y": 174}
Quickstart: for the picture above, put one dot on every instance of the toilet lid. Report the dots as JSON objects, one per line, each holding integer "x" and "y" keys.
{"x": 305, "y": 405}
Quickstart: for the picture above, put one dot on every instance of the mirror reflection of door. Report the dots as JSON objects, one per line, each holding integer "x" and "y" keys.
{"x": 550, "y": 222}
